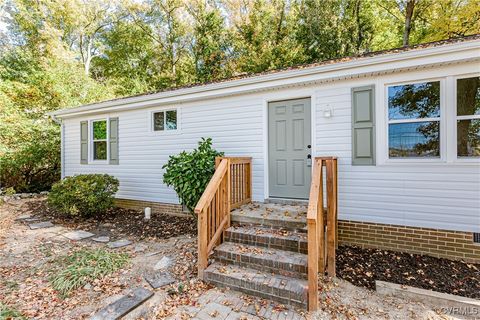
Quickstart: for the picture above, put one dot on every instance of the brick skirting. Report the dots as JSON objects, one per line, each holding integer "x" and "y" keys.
{"x": 157, "y": 207}
{"x": 434, "y": 242}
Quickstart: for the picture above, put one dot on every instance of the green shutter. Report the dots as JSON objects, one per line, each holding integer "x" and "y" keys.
{"x": 113, "y": 140}
{"x": 363, "y": 126}
{"x": 84, "y": 142}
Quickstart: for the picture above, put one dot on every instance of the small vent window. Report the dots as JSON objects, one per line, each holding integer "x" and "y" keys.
{"x": 476, "y": 237}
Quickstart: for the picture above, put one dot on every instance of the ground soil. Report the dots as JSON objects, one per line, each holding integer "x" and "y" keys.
{"x": 119, "y": 222}
{"x": 26, "y": 258}
{"x": 363, "y": 266}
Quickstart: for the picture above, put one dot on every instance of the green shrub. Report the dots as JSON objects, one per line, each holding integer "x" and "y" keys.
{"x": 34, "y": 165}
{"x": 189, "y": 172}
{"x": 84, "y": 266}
{"x": 84, "y": 195}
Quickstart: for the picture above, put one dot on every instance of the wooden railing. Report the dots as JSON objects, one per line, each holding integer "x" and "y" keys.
{"x": 229, "y": 188}
{"x": 241, "y": 180}
{"x": 321, "y": 228}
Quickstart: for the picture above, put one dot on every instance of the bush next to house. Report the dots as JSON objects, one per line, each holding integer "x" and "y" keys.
{"x": 84, "y": 195}
{"x": 189, "y": 172}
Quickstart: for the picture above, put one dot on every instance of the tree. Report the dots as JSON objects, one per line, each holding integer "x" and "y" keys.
{"x": 211, "y": 42}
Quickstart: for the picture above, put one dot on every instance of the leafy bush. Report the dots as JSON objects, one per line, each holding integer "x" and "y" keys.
{"x": 33, "y": 163}
{"x": 189, "y": 172}
{"x": 84, "y": 266}
{"x": 84, "y": 195}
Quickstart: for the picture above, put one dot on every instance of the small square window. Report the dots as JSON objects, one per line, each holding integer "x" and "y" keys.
{"x": 165, "y": 120}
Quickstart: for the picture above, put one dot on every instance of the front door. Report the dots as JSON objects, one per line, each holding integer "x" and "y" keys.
{"x": 289, "y": 148}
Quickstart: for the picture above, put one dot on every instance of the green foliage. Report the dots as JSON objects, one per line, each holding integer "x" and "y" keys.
{"x": 189, "y": 172}
{"x": 84, "y": 266}
{"x": 34, "y": 165}
{"x": 84, "y": 195}
{"x": 9, "y": 313}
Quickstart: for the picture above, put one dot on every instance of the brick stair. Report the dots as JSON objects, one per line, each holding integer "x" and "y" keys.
{"x": 263, "y": 260}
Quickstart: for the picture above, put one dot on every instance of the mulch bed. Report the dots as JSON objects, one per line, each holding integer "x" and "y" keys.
{"x": 362, "y": 267}
{"x": 120, "y": 222}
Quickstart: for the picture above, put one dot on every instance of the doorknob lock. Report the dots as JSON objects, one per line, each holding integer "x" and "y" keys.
{"x": 309, "y": 146}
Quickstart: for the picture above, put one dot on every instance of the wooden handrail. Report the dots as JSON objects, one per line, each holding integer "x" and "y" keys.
{"x": 318, "y": 257}
{"x": 212, "y": 187}
{"x": 229, "y": 187}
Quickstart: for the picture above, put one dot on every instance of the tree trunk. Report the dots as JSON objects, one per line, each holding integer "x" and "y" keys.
{"x": 408, "y": 21}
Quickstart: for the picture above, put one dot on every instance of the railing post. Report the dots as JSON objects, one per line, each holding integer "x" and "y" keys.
{"x": 331, "y": 224}
{"x": 320, "y": 219}
{"x": 202, "y": 243}
{"x": 229, "y": 192}
{"x": 312, "y": 265}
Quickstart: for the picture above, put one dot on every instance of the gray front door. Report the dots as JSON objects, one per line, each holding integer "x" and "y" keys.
{"x": 289, "y": 147}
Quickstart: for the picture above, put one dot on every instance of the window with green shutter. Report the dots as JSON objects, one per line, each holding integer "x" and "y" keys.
{"x": 103, "y": 144}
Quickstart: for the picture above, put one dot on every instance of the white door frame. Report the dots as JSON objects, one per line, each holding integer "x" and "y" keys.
{"x": 280, "y": 96}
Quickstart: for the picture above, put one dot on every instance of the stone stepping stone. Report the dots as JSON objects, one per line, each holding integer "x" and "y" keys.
{"x": 102, "y": 239}
{"x": 23, "y": 217}
{"x": 163, "y": 263}
{"x": 119, "y": 243}
{"x": 159, "y": 279}
{"x": 40, "y": 225}
{"x": 78, "y": 235}
{"x": 124, "y": 305}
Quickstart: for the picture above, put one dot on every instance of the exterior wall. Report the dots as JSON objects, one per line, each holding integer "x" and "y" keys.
{"x": 438, "y": 195}
{"x": 434, "y": 242}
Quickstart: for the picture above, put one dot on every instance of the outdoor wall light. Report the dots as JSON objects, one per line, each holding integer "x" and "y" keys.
{"x": 328, "y": 112}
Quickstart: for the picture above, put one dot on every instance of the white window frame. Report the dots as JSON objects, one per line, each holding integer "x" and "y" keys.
{"x": 91, "y": 140}
{"x": 441, "y": 120}
{"x": 164, "y": 131}
{"x": 455, "y": 117}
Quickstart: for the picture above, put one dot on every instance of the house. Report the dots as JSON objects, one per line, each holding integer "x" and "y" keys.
{"x": 404, "y": 125}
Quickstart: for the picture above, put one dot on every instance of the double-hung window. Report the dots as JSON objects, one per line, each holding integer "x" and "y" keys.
{"x": 99, "y": 139}
{"x": 414, "y": 120}
{"x": 468, "y": 117}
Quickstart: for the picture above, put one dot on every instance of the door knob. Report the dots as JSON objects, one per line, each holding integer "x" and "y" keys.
{"x": 309, "y": 156}
{"x": 309, "y": 146}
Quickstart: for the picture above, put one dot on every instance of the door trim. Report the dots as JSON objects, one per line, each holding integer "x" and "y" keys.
{"x": 279, "y": 96}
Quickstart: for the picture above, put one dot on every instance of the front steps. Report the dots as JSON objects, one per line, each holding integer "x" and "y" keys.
{"x": 261, "y": 257}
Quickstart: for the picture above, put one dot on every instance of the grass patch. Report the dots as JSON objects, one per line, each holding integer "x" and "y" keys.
{"x": 84, "y": 266}
{"x": 7, "y": 312}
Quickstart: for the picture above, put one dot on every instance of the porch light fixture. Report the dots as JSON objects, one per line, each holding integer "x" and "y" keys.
{"x": 327, "y": 112}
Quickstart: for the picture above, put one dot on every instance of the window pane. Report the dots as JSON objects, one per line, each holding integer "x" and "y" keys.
{"x": 100, "y": 150}
{"x": 99, "y": 130}
{"x": 468, "y": 138}
{"x": 158, "y": 121}
{"x": 413, "y": 101}
{"x": 172, "y": 120}
{"x": 418, "y": 139}
{"x": 468, "y": 96}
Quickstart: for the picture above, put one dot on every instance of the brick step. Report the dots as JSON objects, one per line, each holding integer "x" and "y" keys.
{"x": 273, "y": 215}
{"x": 286, "y": 263}
{"x": 285, "y": 290}
{"x": 273, "y": 238}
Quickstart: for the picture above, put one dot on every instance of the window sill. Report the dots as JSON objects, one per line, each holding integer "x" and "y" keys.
{"x": 102, "y": 162}
{"x": 430, "y": 162}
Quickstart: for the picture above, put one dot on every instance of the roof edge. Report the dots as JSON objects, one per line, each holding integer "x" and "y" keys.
{"x": 329, "y": 66}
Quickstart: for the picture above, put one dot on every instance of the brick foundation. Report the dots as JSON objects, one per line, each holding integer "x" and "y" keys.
{"x": 157, "y": 207}
{"x": 434, "y": 242}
